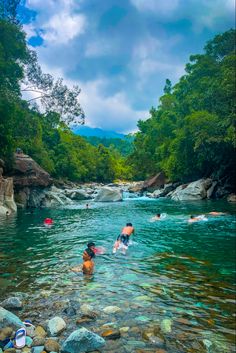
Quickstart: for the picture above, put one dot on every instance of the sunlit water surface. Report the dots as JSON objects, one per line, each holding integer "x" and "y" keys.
{"x": 175, "y": 270}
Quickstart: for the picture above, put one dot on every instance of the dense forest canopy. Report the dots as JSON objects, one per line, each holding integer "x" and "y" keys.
{"x": 191, "y": 133}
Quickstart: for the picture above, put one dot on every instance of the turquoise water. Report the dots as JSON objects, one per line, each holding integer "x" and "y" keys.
{"x": 173, "y": 270}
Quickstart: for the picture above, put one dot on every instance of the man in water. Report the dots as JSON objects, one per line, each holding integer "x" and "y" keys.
{"x": 193, "y": 219}
{"x": 124, "y": 237}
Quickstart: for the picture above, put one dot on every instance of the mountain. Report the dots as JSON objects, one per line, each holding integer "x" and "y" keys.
{"x": 90, "y": 131}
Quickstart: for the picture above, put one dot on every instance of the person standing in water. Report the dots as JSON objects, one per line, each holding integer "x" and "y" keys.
{"x": 88, "y": 255}
{"x": 124, "y": 236}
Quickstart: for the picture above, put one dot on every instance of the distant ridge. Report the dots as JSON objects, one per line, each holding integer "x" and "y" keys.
{"x": 90, "y": 131}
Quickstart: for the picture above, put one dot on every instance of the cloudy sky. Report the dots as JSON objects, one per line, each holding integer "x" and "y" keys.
{"x": 120, "y": 52}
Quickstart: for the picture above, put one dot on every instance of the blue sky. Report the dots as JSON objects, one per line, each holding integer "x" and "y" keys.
{"x": 120, "y": 52}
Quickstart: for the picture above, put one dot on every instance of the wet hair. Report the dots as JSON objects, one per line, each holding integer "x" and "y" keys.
{"x": 90, "y": 244}
{"x": 158, "y": 215}
{"x": 129, "y": 225}
{"x": 191, "y": 216}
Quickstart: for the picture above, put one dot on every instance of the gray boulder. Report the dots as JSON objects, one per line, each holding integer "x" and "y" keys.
{"x": 106, "y": 194}
{"x": 12, "y": 303}
{"x": 196, "y": 190}
{"x": 82, "y": 340}
{"x": 56, "y": 325}
{"x": 9, "y": 319}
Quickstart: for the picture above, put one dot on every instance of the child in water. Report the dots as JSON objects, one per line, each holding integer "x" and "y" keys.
{"x": 88, "y": 255}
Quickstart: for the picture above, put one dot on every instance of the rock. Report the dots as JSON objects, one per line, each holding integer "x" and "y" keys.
{"x": 28, "y": 341}
{"x": 7, "y": 202}
{"x": 106, "y": 194}
{"x": 38, "y": 341}
{"x": 88, "y": 310}
{"x": 231, "y": 198}
{"x": 40, "y": 332}
{"x": 56, "y": 325}
{"x": 136, "y": 187}
{"x": 38, "y": 349}
{"x": 51, "y": 346}
{"x": 154, "y": 182}
{"x": 111, "y": 309}
{"x": 9, "y": 319}
{"x": 211, "y": 189}
{"x": 111, "y": 334}
{"x": 166, "y": 325}
{"x": 196, "y": 190}
{"x": 28, "y": 173}
{"x": 5, "y": 332}
{"x": 124, "y": 329}
{"x": 10, "y": 350}
{"x": 82, "y": 340}
{"x": 76, "y": 194}
{"x": 12, "y": 303}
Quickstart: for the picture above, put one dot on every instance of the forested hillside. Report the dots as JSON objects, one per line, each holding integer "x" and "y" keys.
{"x": 191, "y": 133}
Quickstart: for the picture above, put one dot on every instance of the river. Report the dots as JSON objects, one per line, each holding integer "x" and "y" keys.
{"x": 173, "y": 270}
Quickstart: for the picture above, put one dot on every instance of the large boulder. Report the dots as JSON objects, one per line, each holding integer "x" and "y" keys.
{"x": 231, "y": 198}
{"x": 7, "y": 202}
{"x": 82, "y": 340}
{"x": 77, "y": 194}
{"x": 106, "y": 194}
{"x": 159, "y": 180}
{"x": 9, "y": 319}
{"x": 196, "y": 190}
{"x": 26, "y": 172}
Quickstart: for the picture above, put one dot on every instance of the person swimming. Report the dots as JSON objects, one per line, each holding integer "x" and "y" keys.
{"x": 157, "y": 217}
{"x": 123, "y": 238}
{"x": 215, "y": 213}
{"x": 193, "y": 219}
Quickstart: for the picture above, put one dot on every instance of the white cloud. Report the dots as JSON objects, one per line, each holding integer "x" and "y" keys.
{"x": 109, "y": 113}
{"x": 63, "y": 27}
{"x": 58, "y": 21}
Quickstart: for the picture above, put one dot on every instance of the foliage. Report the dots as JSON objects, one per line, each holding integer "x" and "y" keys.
{"x": 192, "y": 133}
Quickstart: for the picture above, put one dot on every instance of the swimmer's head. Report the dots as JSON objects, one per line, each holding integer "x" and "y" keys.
{"x": 129, "y": 225}
{"x": 90, "y": 244}
{"x": 158, "y": 215}
{"x": 191, "y": 216}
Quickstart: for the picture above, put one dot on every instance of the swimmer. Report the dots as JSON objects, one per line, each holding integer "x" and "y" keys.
{"x": 123, "y": 238}
{"x": 87, "y": 206}
{"x": 157, "y": 217}
{"x": 193, "y": 219}
{"x": 8, "y": 213}
{"x": 214, "y": 213}
{"x": 48, "y": 222}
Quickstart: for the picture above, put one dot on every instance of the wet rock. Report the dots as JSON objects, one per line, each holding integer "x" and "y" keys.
{"x": 5, "y": 332}
{"x": 124, "y": 329}
{"x": 10, "y": 350}
{"x": 40, "y": 332}
{"x": 196, "y": 190}
{"x": 38, "y": 349}
{"x": 51, "y": 346}
{"x": 9, "y": 319}
{"x": 25, "y": 350}
{"x": 82, "y": 340}
{"x": 70, "y": 311}
{"x": 87, "y": 310}
{"x": 111, "y": 334}
{"x": 56, "y": 325}
{"x": 28, "y": 341}
{"x": 111, "y": 309}
{"x": 166, "y": 325}
{"x": 13, "y": 303}
{"x": 38, "y": 341}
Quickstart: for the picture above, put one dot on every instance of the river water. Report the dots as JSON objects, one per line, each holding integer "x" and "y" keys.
{"x": 174, "y": 271}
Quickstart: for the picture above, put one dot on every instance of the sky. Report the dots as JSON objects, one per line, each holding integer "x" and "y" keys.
{"x": 120, "y": 52}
